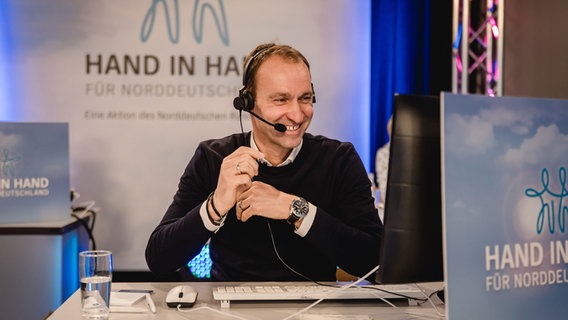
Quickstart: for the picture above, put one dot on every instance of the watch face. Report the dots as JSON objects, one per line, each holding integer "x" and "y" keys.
{"x": 300, "y": 207}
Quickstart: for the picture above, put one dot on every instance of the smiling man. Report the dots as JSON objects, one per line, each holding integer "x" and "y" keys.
{"x": 276, "y": 203}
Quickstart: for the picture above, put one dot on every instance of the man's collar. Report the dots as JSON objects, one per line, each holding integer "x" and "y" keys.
{"x": 288, "y": 160}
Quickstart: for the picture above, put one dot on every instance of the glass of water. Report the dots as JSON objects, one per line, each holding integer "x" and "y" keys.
{"x": 95, "y": 272}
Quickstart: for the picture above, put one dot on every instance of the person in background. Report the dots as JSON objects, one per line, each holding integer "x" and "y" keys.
{"x": 276, "y": 205}
{"x": 382, "y": 166}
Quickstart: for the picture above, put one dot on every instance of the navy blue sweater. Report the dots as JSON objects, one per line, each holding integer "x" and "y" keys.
{"x": 329, "y": 174}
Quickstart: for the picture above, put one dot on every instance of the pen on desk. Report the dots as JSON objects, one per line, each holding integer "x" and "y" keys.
{"x": 136, "y": 290}
{"x": 150, "y": 303}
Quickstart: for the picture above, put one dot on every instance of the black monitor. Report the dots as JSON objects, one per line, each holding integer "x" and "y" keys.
{"x": 412, "y": 242}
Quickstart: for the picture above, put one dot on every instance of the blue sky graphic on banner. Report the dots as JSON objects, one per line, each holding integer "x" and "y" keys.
{"x": 141, "y": 83}
{"x": 506, "y": 207}
{"x": 34, "y": 172}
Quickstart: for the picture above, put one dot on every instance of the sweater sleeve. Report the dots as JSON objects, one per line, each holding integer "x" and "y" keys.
{"x": 181, "y": 233}
{"x": 351, "y": 234}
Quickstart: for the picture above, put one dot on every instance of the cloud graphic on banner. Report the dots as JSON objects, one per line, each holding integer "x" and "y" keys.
{"x": 518, "y": 122}
{"x": 500, "y": 116}
{"x": 468, "y": 136}
{"x": 8, "y": 140}
{"x": 548, "y": 145}
{"x": 475, "y": 135}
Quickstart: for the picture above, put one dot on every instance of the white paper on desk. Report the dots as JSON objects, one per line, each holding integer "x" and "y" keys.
{"x": 125, "y": 309}
{"x": 123, "y": 299}
{"x": 332, "y": 317}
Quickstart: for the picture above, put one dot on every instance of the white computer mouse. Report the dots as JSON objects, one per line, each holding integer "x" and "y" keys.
{"x": 182, "y": 295}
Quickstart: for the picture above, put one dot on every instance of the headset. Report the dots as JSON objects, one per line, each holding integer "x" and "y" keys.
{"x": 245, "y": 100}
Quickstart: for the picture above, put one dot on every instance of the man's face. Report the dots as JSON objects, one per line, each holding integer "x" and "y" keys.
{"x": 283, "y": 95}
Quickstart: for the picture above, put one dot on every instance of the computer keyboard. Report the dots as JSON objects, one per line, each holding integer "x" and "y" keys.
{"x": 310, "y": 291}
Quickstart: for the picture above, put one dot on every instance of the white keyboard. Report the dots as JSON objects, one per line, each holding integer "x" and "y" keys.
{"x": 311, "y": 291}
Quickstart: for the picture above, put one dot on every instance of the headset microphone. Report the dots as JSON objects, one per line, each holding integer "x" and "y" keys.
{"x": 277, "y": 126}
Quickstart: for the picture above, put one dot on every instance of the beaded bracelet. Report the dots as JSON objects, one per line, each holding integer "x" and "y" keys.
{"x": 216, "y": 223}
{"x": 213, "y": 205}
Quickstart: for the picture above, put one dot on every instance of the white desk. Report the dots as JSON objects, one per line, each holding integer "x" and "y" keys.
{"x": 250, "y": 310}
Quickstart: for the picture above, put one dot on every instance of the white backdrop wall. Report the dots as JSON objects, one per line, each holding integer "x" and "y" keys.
{"x": 141, "y": 83}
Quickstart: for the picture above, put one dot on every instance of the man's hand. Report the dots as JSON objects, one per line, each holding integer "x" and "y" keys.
{"x": 262, "y": 199}
{"x": 237, "y": 171}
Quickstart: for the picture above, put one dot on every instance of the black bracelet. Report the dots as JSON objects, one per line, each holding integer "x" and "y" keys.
{"x": 213, "y": 206}
{"x": 216, "y": 223}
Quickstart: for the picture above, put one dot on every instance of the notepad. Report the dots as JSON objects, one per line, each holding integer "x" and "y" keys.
{"x": 125, "y": 298}
{"x": 123, "y": 309}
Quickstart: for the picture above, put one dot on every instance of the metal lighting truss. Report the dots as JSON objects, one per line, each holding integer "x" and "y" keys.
{"x": 478, "y": 47}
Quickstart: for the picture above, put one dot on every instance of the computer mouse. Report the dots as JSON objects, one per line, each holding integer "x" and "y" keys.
{"x": 182, "y": 295}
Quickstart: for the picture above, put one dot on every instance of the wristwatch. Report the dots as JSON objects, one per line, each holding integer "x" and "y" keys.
{"x": 298, "y": 209}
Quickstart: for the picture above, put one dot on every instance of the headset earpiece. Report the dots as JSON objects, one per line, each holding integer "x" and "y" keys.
{"x": 245, "y": 100}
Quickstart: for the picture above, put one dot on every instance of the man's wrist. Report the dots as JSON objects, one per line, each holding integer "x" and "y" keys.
{"x": 299, "y": 208}
{"x": 213, "y": 214}
{"x": 217, "y": 213}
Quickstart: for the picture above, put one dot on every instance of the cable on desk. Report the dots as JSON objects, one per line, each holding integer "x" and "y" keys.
{"x": 341, "y": 288}
{"x": 431, "y": 302}
{"x": 334, "y": 286}
{"x": 396, "y": 294}
{"x": 345, "y": 287}
{"x": 179, "y": 308}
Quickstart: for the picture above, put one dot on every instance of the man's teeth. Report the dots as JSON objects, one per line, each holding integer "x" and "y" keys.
{"x": 292, "y": 128}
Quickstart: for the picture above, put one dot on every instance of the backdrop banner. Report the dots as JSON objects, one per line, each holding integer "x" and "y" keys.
{"x": 141, "y": 83}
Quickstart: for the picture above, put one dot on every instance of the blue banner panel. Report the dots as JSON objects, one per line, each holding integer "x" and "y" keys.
{"x": 34, "y": 172}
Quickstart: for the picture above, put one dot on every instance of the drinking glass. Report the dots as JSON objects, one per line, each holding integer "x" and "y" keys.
{"x": 95, "y": 273}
